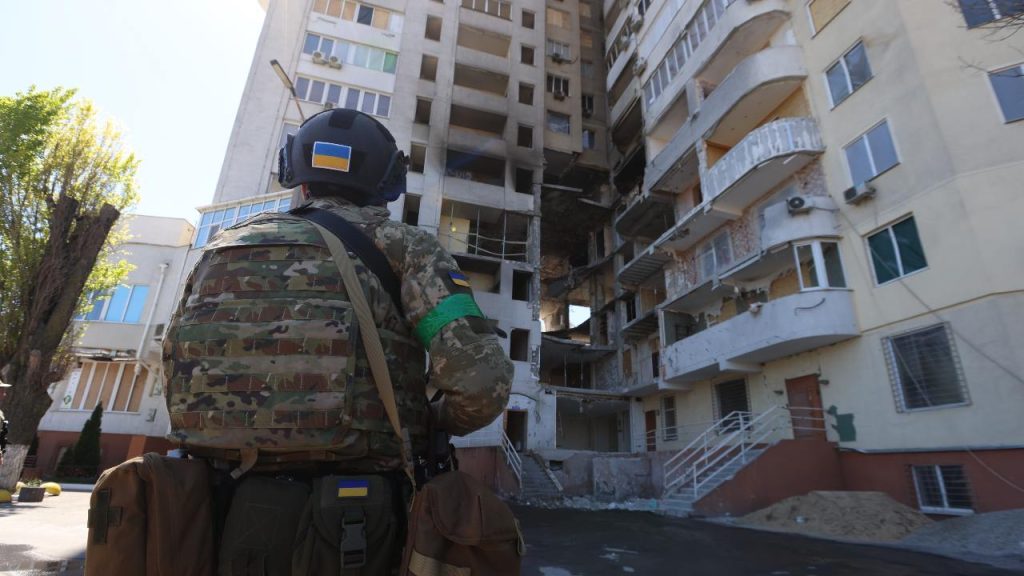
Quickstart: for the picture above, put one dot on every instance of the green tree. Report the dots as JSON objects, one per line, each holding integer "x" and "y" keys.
{"x": 64, "y": 180}
{"x": 86, "y": 451}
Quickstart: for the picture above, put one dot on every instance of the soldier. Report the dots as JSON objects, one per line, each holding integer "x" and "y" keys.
{"x": 264, "y": 361}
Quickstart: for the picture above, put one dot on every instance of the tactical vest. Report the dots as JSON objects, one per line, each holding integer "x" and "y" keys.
{"x": 265, "y": 353}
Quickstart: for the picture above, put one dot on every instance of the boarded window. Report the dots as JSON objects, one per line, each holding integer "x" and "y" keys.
{"x": 823, "y": 11}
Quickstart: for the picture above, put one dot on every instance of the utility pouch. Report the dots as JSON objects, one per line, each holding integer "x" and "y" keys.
{"x": 260, "y": 528}
{"x": 350, "y": 526}
{"x": 458, "y": 527}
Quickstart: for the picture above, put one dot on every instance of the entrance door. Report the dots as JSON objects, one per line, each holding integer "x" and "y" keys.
{"x": 805, "y": 407}
{"x": 515, "y": 428}
{"x": 651, "y": 426}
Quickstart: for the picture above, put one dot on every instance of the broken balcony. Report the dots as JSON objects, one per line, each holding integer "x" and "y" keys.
{"x": 769, "y": 331}
{"x": 646, "y": 263}
{"x": 484, "y": 231}
{"x": 766, "y": 157}
{"x": 758, "y": 85}
{"x": 646, "y": 215}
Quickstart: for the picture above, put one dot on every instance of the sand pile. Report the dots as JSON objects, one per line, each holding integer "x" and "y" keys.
{"x": 855, "y": 515}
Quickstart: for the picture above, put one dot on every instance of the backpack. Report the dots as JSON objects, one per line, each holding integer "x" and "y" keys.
{"x": 151, "y": 516}
{"x": 264, "y": 354}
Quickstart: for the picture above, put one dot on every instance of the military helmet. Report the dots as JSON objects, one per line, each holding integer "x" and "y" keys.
{"x": 347, "y": 150}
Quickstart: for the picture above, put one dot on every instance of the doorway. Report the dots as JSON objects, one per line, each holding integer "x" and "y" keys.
{"x": 805, "y": 407}
{"x": 515, "y": 428}
{"x": 651, "y": 428}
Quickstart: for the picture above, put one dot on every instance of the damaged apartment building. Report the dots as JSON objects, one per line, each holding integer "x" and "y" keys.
{"x": 801, "y": 279}
{"x": 742, "y": 249}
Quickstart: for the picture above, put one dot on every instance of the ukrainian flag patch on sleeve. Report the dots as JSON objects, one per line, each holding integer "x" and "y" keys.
{"x": 331, "y": 156}
{"x": 353, "y": 488}
{"x": 459, "y": 279}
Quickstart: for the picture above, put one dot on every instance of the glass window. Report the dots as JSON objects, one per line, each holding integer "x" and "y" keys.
{"x": 558, "y": 122}
{"x": 301, "y": 87}
{"x": 1009, "y": 87}
{"x": 118, "y": 304}
{"x": 896, "y": 251}
{"x": 376, "y": 60}
{"x": 390, "y": 62}
{"x": 925, "y": 369}
{"x": 316, "y": 91}
{"x": 381, "y": 19}
{"x": 334, "y": 94}
{"x": 362, "y": 56}
{"x": 365, "y": 15}
{"x": 668, "y": 418}
{"x": 805, "y": 259}
{"x": 98, "y": 303}
{"x": 833, "y": 265}
{"x": 341, "y": 50}
{"x": 589, "y": 139}
{"x": 723, "y": 251}
{"x": 369, "y": 102}
{"x": 871, "y": 154}
{"x": 135, "y": 304}
{"x": 942, "y": 488}
{"x": 980, "y": 12}
{"x": 528, "y": 19}
{"x": 383, "y": 105}
{"x": 352, "y": 99}
{"x": 312, "y": 43}
{"x": 819, "y": 265}
{"x": 349, "y": 13}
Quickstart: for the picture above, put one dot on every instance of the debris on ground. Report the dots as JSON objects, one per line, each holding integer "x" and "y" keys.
{"x": 583, "y": 503}
{"x": 989, "y": 534}
{"x": 870, "y": 516}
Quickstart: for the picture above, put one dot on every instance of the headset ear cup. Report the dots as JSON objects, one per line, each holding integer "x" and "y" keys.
{"x": 284, "y": 162}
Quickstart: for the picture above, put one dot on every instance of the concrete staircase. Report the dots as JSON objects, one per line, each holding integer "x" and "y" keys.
{"x": 537, "y": 484}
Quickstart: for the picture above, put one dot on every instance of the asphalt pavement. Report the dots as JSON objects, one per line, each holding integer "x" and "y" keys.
{"x": 49, "y": 538}
{"x": 585, "y": 543}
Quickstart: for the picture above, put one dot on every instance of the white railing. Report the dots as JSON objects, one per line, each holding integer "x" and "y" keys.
{"x": 730, "y": 440}
{"x": 512, "y": 458}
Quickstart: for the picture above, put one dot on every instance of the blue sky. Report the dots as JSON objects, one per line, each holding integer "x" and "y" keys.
{"x": 169, "y": 73}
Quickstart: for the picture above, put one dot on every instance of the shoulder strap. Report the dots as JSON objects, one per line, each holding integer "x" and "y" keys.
{"x": 371, "y": 342}
{"x": 358, "y": 242}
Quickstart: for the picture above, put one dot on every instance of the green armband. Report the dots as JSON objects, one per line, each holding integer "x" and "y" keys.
{"x": 448, "y": 310}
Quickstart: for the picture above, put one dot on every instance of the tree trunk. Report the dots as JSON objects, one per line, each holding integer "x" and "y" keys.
{"x": 74, "y": 244}
{"x": 14, "y": 459}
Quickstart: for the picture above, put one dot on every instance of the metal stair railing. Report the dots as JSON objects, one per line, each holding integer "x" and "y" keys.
{"x": 750, "y": 434}
{"x": 677, "y": 467}
{"x": 512, "y": 458}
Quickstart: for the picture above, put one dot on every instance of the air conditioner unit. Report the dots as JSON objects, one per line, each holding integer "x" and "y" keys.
{"x": 318, "y": 57}
{"x": 328, "y": 105}
{"x": 798, "y": 205}
{"x": 158, "y": 331}
{"x": 559, "y": 95}
{"x": 639, "y": 66}
{"x": 558, "y": 58}
{"x": 858, "y": 193}
{"x": 334, "y": 62}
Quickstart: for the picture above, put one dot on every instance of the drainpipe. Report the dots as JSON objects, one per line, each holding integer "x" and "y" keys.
{"x": 149, "y": 319}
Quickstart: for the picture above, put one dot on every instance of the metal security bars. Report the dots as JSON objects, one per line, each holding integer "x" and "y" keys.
{"x": 942, "y": 489}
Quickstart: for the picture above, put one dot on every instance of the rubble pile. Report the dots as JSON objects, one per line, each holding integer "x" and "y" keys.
{"x": 870, "y": 516}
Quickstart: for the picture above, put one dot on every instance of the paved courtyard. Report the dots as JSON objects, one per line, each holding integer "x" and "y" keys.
{"x": 41, "y": 538}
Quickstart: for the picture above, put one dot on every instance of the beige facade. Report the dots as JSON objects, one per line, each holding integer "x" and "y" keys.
{"x": 821, "y": 189}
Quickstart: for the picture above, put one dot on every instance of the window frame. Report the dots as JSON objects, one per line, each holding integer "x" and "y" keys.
{"x": 593, "y": 138}
{"x": 281, "y": 204}
{"x": 568, "y": 122}
{"x": 993, "y": 7}
{"x": 841, "y": 61}
{"x": 888, "y": 348}
{"x": 666, "y": 434}
{"x": 995, "y": 94}
{"x": 810, "y": 17}
{"x": 899, "y": 259}
{"x": 941, "y": 483}
{"x": 553, "y": 47}
{"x": 820, "y": 269}
{"x": 871, "y": 156}
{"x": 556, "y": 83}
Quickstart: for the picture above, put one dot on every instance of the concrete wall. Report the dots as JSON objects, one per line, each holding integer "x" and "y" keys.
{"x": 789, "y": 468}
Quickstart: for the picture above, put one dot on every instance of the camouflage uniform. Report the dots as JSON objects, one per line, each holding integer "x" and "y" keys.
{"x": 264, "y": 351}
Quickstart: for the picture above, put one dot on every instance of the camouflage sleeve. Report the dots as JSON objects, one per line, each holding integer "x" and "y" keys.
{"x": 466, "y": 358}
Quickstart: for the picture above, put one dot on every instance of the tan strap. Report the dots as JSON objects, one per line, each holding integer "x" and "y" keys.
{"x": 420, "y": 565}
{"x": 371, "y": 341}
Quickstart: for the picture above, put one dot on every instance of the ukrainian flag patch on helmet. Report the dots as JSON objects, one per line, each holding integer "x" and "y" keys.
{"x": 459, "y": 279}
{"x": 353, "y": 488}
{"x": 331, "y": 156}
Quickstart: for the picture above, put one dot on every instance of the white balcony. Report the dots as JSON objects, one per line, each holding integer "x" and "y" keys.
{"x": 630, "y": 97}
{"x": 766, "y": 157}
{"x": 782, "y": 327}
{"x": 643, "y": 266}
{"x": 754, "y": 88}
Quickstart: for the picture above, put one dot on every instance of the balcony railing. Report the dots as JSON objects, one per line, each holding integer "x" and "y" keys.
{"x": 781, "y": 138}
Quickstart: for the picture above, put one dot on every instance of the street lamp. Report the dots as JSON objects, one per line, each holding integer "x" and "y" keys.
{"x": 279, "y": 70}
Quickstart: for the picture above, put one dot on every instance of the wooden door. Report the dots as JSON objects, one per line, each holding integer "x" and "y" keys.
{"x": 651, "y": 426}
{"x": 806, "y": 414}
